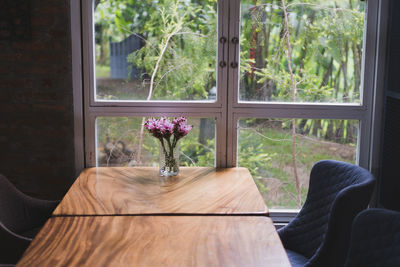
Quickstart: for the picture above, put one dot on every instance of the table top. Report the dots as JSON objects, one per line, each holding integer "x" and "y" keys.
{"x": 142, "y": 191}
{"x": 156, "y": 241}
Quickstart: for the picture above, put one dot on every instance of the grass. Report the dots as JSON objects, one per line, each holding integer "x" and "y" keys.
{"x": 102, "y": 71}
{"x": 273, "y": 173}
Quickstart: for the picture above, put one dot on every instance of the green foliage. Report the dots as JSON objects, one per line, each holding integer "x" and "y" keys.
{"x": 186, "y": 69}
{"x": 265, "y": 147}
{"x": 119, "y": 18}
{"x": 193, "y": 153}
{"x": 113, "y": 130}
{"x": 326, "y": 39}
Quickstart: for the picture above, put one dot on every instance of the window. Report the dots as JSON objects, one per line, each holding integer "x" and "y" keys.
{"x": 258, "y": 97}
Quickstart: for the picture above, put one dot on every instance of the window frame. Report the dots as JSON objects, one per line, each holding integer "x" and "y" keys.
{"x": 226, "y": 109}
{"x": 93, "y": 109}
{"x": 362, "y": 111}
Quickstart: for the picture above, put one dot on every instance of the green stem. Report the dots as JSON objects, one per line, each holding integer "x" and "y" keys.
{"x": 171, "y": 149}
{"x": 174, "y": 142}
{"x": 163, "y": 146}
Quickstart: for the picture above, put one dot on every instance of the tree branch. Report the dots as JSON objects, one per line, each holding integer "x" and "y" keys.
{"x": 294, "y": 93}
{"x": 153, "y": 76}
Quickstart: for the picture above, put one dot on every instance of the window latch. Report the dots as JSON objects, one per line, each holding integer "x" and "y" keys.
{"x": 234, "y": 63}
{"x": 222, "y": 63}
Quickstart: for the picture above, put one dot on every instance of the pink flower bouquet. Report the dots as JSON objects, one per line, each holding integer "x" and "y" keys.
{"x": 168, "y": 133}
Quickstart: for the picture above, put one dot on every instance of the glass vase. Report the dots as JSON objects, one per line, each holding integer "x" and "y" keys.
{"x": 169, "y": 160}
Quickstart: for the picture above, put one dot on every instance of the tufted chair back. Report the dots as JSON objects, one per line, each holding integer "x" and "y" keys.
{"x": 21, "y": 217}
{"x": 320, "y": 232}
{"x": 20, "y": 212}
{"x": 375, "y": 239}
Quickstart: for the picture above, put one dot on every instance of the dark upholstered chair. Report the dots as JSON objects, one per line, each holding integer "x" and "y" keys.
{"x": 21, "y": 217}
{"x": 319, "y": 234}
{"x": 375, "y": 239}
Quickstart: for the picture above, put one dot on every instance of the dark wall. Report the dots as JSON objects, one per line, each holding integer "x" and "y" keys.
{"x": 36, "y": 104}
{"x": 390, "y": 171}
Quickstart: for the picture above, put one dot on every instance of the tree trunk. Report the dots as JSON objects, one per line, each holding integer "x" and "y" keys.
{"x": 344, "y": 67}
{"x": 337, "y": 82}
{"x": 267, "y": 35}
{"x": 207, "y": 131}
{"x": 260, "y": 60}
{"x": 327, "y": 74}
{"x": 305, "y": 45}
{"x": 357, "y": 69}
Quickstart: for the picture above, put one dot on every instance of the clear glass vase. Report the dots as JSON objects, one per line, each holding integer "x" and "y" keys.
{"x": 169, "y": 160}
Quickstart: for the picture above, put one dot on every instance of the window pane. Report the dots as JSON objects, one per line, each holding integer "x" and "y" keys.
{"x": 118, "y": 140}
{"x": 265, "y": 148}
{"x": 326, "y": 39}
{"x": 155, "y": 50}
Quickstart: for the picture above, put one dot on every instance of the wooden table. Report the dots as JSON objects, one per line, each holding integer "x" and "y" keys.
{"x": 133, "y": 217}
{"x": 157, "y": 241}
{"x": 138, "y": 191}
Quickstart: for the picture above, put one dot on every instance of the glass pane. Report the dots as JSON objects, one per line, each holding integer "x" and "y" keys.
{"x": 326, "y": 43}
{"x": 118, "y": 138}
{"x": 155, "y": 50}
{"x": 265, "y": 148}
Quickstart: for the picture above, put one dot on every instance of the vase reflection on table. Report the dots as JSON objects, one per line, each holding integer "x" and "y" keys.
{"x": 168, "y": 133}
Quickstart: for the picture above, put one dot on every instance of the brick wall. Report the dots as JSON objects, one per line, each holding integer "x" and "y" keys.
{"x": 36, "y": 104}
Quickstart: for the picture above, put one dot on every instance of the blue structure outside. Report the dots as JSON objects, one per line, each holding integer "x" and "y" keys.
{"x": 119, "y": 51}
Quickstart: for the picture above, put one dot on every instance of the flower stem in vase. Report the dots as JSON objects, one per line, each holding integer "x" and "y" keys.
{"x": 169, "y": 160}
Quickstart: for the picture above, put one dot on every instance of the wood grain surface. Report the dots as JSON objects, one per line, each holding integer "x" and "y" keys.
{"x": 156, "y": 241}
{"x": 134, "y": 191}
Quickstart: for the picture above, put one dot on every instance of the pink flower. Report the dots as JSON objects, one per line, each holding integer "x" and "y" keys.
{"x": 181, "y": 128}
{"x": 179, "y": 120}
{"x": 151, "y": 124}
{"x": 154, "y": 127}
{"x": 164, "y": 128}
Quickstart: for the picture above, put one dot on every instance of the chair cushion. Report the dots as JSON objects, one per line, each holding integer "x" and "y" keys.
{"x": 296, "y": 259}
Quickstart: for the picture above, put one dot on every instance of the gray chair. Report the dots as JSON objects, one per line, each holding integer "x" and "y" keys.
{"x": 375, "y": 239}
{"x": 21, "y": 217}
{"x": 319, "y": 234}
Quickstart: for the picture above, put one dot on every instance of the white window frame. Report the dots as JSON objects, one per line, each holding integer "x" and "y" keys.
{"x": 227, "y": 109}
{"x": 205, "y": 109}
{"x": 362, "y": 112}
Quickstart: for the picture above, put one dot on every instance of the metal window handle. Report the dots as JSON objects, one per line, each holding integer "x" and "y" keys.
{"x": 223, "y": 40}
{"x": 234, "y": 63}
